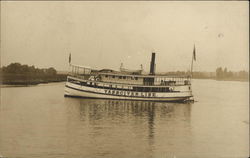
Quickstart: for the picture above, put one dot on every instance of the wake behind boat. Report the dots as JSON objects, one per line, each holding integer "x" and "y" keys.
{"x": 127, "y": 84}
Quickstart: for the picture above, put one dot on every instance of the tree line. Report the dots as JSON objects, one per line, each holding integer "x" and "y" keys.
{"x": 224, "y": 74}
{"x": 17, "y": 68}
{"x": 18, "y": 74}
{"x": 220, "y": 74}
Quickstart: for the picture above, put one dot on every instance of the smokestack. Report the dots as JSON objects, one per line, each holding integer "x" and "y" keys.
{"x": 152, "y": 64}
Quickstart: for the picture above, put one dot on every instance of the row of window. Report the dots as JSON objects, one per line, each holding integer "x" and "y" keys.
{"x": 161, "y": 80}
{"x": 136, "y": 89}
{"x": 121, "y": 77}
{"x": 152, "y": 89}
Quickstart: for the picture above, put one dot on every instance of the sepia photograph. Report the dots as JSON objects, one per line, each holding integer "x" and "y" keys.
{"x": 124, "y": 79}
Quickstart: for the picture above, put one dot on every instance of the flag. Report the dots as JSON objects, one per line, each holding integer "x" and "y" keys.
{"x": 69, "y": 57}
{"x": 194, "y": 54}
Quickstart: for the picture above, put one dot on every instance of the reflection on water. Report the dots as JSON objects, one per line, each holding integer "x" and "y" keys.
{"x": 131, "y": 127}
{"x": 110, "y": 110}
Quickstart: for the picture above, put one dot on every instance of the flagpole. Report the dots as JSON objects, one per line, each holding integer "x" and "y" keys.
{"x": 193, "y": 57}
{"x": 70, "y": 68}
{"x": 192, "y": 66}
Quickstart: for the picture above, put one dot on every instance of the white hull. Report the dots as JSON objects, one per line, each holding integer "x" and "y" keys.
{"x": 75, "y": 90}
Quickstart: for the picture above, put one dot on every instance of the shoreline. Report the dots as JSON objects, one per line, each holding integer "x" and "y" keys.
{"x": 29, "y": 79}
{"x": 30, "y": 82}
{"x": 27, "y": 85}
{"x": 238, "y": 80}
{"x": 216, "y": 79}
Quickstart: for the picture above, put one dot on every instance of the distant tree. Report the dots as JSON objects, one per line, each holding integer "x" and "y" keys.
{"x": 12, "y": 68}
{"x": 243, "y": 74}
{"x": 225, "y": 72}
{"x": 32, "y": 69}
{"x": 219, "y": 72}
{"x": 24, "y": 69}
{"x": 51, "y": 71}
{"x": 230, "y": 74}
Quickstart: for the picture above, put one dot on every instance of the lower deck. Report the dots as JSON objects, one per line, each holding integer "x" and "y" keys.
{"x": 79, "y": 88}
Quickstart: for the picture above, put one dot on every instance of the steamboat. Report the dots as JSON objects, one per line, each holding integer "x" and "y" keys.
{"x": 127, "y": 84}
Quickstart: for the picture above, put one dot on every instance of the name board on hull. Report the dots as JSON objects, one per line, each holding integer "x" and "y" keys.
{"x": 130, "y": 94}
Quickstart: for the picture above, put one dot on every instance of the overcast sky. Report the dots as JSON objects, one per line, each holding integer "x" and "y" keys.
{"x": 104, "y": 34}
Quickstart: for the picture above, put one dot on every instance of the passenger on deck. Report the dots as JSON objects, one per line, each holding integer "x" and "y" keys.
{"x": 162, "y": 83}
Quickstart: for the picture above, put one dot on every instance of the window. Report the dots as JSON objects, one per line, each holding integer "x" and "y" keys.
{"x": 138, "y": 89}
{"x": 120, "y": 77}
{"x": 136, "y": 78}
{"x": 135, "y": 88}
{"x": 154, "y": 89}
{"x": 83, "y": 83}
{"x": 106, "y": 76}
{"x": 124, "y": 77}
{"x": 161, "y": 89}
{"x": 147, "y": 89}
{"x": 113, "y": 76}
{"x": 70, "y": 80}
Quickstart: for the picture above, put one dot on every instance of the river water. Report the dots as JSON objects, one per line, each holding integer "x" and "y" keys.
{"x": 38, "y": 122}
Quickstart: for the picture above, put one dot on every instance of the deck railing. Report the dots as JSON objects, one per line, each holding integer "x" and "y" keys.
{"x": 170, "y": 82}
{"x": 86, "y": 73}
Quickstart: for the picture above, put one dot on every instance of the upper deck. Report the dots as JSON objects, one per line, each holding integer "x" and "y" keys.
{"x": 116, "y": 77}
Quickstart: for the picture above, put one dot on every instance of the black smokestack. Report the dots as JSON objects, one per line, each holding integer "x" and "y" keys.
{"x": 152, "y": 64}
